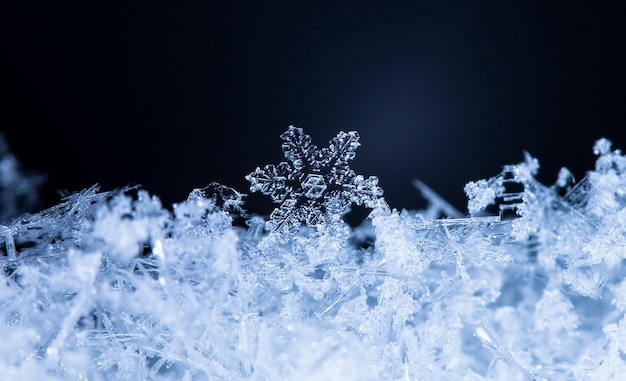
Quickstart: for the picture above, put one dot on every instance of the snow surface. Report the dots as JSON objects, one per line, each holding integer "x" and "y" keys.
{"x": 530, "y": 286}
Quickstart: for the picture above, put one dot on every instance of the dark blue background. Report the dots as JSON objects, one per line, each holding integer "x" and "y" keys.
{"x": 176, "y": 96}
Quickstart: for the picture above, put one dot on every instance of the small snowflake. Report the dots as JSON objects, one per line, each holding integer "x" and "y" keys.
{"x": 316, "y": 185}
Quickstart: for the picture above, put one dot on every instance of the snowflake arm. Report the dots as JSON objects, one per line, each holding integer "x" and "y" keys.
{"x": 343, "y": 146}
{"x": 365, "y": 192}
{"x": 271, "y": 181}
{"x": 297, "y": 147}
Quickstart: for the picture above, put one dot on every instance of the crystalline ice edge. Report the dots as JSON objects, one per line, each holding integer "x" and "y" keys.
{"x": 531, "y": 286}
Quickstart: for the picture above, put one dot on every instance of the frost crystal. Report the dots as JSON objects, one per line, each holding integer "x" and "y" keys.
{"x": 530, "y": 286}
{"x": 316, "y": 185}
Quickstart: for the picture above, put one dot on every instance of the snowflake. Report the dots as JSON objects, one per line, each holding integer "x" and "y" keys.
{"x": 316, "y": 185}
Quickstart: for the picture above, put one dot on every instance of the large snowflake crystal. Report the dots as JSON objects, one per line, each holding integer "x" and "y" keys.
{"x": 316, "y": 185}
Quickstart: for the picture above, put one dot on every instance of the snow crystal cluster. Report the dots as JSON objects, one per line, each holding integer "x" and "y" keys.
{"x": 530, "y": 286}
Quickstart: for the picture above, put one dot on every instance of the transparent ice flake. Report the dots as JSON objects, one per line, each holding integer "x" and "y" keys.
{"x": 314, "y": 186}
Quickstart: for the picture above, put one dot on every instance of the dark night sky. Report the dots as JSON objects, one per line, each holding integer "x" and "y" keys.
{"x": 176, "y": 96}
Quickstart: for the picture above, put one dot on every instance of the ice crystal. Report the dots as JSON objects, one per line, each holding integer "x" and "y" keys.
{"x": 530, "y": 286}
{"x": 315, "y": 185}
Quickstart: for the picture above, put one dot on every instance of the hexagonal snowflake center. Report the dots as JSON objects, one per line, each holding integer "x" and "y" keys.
{"x": 314, "y": 186}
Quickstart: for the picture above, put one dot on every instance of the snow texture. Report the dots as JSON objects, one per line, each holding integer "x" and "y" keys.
{"x": 530, "y": 286}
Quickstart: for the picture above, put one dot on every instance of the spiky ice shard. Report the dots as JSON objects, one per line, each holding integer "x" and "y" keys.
{"x": 111, "y": 285}
{"x": 315, "y": 185}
